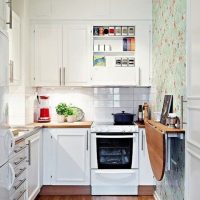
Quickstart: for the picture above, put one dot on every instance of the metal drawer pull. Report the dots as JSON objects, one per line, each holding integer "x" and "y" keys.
{"x": 21, "y": 194}
{"x": 20, "y": 172}
{"x": 20, "y": 149}
{"x": 20, "y": 160}
{"x": 19, "y": 184}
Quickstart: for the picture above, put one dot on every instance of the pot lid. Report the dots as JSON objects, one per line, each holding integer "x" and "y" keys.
{"x": 123, "y": 113}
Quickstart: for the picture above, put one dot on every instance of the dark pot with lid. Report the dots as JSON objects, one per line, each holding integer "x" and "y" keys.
{"x": 123, "y": 118}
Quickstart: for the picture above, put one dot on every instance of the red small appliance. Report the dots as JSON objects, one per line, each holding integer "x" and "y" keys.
{"x": 44, "y": 109}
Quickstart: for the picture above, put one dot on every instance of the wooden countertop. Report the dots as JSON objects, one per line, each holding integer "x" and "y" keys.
{"x": 165, "y": 129}
{"x": 84, "y": 124}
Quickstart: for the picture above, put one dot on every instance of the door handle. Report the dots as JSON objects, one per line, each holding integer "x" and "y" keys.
{"x": 10, "y": 14}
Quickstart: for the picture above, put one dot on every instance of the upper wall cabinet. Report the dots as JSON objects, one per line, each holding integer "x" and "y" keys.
{"x": 76, "y": 55}
{"x": 47, "y": 55}
{"x": 61, "y": 55}
{"x": 3, "y": 16}
{"x": 91, "y": 9}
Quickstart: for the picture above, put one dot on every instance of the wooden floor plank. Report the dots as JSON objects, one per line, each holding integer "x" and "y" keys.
{"x": 95, "y": 198}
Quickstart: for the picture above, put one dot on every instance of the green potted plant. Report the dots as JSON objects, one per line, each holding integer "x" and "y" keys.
{"x": 61, "y": 109}
{"x": 70, "y": 114}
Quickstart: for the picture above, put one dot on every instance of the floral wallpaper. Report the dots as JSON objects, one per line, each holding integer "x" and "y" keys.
{"x": 169, "y": 50}
{"x": 169, "y": 77}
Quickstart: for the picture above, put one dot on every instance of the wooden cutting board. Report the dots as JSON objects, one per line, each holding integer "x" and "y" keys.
{"x": 156, "y": 150}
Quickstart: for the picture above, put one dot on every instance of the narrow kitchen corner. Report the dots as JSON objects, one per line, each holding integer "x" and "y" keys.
{"x": 99, "y": 100}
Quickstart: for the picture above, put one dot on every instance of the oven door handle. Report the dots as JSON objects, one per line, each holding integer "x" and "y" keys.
{"x": 115, "y": 136}
{"x": 124, "y": 171}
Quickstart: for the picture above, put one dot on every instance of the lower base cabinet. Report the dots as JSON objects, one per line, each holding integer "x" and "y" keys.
{"x": 66, "y": 156}
{"x": 34, "y": 165}
{"x": 145, "y": 171}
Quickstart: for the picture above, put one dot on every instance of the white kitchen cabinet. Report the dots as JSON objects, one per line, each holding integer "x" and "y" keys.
{"x": 2, "y": 14}
{"x": 66, "y": 157}
{"x": 91, "y": 9}
{"x": 47, "y": 55}
{"x": 34, "y": 165}
{"x": 61, "y": 55}
{"x": 15, "y": 50}
{"x": 145, "y": 171}
{"x": 76, "y": 54}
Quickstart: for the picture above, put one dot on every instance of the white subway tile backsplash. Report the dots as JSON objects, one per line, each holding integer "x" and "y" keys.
{"x": 141, "y": 97}
{"x": 103, "y": 97}
{"x": 123, "y": 104}
{"x": 103, "y": 90}
{"x": 103, "y": 114}
{"x": 98, "y": 104}
{"x": 141, "y": 90}
{"x": 123, "y": 97}
{"x": 123, "y": 91}
{"x": 103, "y": 104}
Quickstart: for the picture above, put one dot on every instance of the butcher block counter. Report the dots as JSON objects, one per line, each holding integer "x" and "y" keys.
{"x": 159, "y": 146}
{"x": 83, "y": 124}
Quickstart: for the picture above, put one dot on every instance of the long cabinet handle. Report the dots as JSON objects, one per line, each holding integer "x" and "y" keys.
{"x": 20, "y": 195}
{"x": 29, "y": 152}
{"x": 10, "y": 15}
{"x": 60, "y": 76}
{"x": 11, "y": 71}
{"x": 142, "y": 145}
{"x": 64, "y": 76}
{"x": 182, "y": 104}
{"x": 87, "y": 142}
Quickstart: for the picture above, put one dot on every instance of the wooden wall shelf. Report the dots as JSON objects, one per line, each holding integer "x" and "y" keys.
{"x": 159, "y": 146}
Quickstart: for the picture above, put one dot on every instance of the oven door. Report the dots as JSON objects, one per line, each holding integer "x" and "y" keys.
{"x": 114, "y": 151}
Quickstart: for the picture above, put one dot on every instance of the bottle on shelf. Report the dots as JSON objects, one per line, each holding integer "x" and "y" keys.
{"x": 140, "y": 114}
{"x": 145, "y": 112}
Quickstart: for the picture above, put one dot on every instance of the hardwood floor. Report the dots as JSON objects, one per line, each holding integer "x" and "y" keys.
{"x": 94, "y": 198}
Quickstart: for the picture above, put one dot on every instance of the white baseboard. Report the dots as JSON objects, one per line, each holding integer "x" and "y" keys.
{"x": 156, "y": 196}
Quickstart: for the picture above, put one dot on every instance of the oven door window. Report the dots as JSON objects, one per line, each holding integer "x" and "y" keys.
{"x": 114, "y": 153}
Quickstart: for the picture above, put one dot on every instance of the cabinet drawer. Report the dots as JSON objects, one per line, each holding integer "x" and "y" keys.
{"x": 21, "y": 193}
{"x": 18, "y": 159}
{"x": 19, "y": 146}
{"x": 20, "y": 169}
{"x": 114, "y": 177}
{"x": 18, "y": 183}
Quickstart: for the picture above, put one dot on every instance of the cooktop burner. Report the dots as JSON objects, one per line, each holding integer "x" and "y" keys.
{"x": 110, "y": 127}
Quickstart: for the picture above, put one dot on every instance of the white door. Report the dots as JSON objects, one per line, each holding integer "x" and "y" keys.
{"x": 70, "y": 157}
{"x": 76, "y": 54}
{"x": 145, "y": 171}
{"x": 193, "y": 105}
{"x": 15, "y": 50}
{"x": 33, "y": 166}
{"x": 48, "y": 55}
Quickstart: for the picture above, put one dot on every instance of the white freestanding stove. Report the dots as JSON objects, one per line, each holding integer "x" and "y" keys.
{"x": 114, "y": 159}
